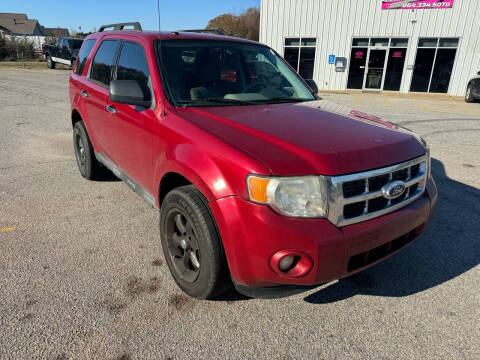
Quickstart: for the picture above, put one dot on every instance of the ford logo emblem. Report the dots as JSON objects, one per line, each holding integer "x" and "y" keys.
{"x": 393, "y": 190}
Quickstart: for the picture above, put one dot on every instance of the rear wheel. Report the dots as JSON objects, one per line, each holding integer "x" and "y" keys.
{"x": 469, "y": 95}
{"x": 87, "y": 163}
{"x": 50, "y": 62}
{"x": 191, "y": 244}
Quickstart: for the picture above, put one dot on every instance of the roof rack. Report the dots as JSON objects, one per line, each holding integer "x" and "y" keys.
{"x": 120, "y": 26}
{"x": 214, "y": 31}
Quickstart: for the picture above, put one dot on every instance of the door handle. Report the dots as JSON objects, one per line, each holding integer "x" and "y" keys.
{"x": 84, "y": 93}
{"x": 111, "y": 109}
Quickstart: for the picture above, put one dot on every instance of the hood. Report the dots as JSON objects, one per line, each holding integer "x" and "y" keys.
{"x": 309, "y": 138}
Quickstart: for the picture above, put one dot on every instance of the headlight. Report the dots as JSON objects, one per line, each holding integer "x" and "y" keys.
{"x": 303, "y": 196}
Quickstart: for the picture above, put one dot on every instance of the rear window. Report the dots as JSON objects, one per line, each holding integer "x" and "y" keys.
{"x": 101, "y": 70}
{"x": 83, "y": 56}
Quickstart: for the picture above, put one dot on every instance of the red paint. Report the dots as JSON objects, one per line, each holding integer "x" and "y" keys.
{"x": 215, "y": 148}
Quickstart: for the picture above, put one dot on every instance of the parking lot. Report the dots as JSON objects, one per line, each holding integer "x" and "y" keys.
{"x": 83, "y": 275}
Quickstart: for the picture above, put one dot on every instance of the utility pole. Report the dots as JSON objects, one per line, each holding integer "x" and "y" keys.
{"x": 158, "y": 8}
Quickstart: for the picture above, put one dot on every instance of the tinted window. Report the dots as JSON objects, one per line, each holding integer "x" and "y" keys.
{"x": 75, "y": 44}
{"x": 399, "y": 42}
{"x": 83, "y": 55}
{"x": 358, "y": 59}
{"x": 103, "y": 62}
{"x": 132, "y": 65}
{"x": 64, "y": 43}
{"x": 360, "y": 42}
{"x": 423, "y": 70}
{"x": 442, "y": 70}
{"x": 307, "y": 62}
{"x": 428, "y": 42}
{"x": 291, "y": 55}
{"x": 396, "y": 62}
{"x": 292, "y": 42}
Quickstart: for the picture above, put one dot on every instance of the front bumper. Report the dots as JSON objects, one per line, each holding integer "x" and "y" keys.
{"x": 252, "y": 233}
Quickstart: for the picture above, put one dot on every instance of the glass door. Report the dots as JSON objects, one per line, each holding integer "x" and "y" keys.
{"x": 375, "y": 69}
{"x": 356, "y": 74}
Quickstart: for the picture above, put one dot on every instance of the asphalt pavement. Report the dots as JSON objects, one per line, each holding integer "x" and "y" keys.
{"x": 82, "y": 274}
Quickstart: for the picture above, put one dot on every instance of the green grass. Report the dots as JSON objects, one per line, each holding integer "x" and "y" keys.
{"x": 27, "y": 65}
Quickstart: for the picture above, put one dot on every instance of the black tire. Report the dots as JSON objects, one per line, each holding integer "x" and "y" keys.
{"x": 87, "y": 163}
{"x": 50, "y": 62}
{"x": 193, "y": 250}
{"x": 468, "y": 95}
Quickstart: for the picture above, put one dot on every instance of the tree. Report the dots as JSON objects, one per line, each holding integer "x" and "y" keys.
{"x": 245, "y": 25}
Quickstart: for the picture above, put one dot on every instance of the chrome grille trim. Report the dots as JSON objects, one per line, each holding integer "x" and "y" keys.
{"x": 337, "y": 201}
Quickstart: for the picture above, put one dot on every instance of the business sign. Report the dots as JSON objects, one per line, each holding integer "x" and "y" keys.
{"x": 359, "y": 54}
{"x": 331, "y": 59}
{"x": 424, "y": 4}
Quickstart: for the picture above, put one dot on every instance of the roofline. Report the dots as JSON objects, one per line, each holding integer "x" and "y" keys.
{"x": 169, "y": 35}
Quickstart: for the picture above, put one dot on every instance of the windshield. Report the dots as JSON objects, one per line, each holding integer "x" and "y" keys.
{"x": 221, "y": 73}
{"x": 75, "y": 44}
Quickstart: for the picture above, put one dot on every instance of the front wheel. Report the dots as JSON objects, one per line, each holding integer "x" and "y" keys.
{"x": 469, "y": 95}
{"x": 50, "y": 62}
{"x": 192, "y": 245}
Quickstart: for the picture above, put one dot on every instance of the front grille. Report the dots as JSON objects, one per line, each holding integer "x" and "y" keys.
{"x": 359, "y": 197}
{"x": 368, "y": 257}
{"x": 353, "y": 188}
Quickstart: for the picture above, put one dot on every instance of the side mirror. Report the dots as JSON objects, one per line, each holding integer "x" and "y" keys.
{"x": 478, "y": 73}
{"x": 313, "y": 85}
{"x": 128, "y": 92}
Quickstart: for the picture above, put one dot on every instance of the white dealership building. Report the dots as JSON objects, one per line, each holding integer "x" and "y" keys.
{"x": 372, "y": 45}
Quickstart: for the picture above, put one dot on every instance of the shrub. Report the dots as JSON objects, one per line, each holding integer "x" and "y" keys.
{"x": 16, "y": 48}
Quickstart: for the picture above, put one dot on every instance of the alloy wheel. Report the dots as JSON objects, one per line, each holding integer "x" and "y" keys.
{"x": 183, "y": 247}
{"x": 80, "y": 150}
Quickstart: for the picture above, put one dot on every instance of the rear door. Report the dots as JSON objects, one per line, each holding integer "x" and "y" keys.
{"x": 130, "y": 127}
{"x": 97, "y": 90}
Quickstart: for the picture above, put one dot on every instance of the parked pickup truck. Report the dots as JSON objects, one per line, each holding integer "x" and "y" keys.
{"x": 258, "y": 181}
{"x": 64, "y": 52}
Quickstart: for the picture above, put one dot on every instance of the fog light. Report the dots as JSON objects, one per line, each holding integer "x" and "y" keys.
{"x": 288, "y": 262}
{"x": 291, "y": 263}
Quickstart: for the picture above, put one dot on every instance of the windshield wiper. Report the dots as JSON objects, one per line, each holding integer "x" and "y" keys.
{"x": 283, "y": 99}
{"x": 215, "y": 100}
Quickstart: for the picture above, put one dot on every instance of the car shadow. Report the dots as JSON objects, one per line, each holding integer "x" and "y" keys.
{"x": 447, "y": 249}
{"x": 105, "y": 175}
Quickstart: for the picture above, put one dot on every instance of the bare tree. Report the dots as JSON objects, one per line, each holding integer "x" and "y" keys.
{"x": 245, "y": 25}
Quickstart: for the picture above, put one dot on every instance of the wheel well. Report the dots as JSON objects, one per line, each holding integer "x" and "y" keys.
{"x": 169, "y": 182}
{"x": 75, "y": 117}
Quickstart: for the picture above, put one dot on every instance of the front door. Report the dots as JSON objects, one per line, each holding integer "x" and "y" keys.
{"x": 129, "y": 126}
{"x": 375, "y": 71}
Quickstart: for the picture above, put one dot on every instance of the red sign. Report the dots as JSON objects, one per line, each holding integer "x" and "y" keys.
{"x": 425, "y": 4}
{"x": 397, "y": 54}
{"x": 359, "y": 55}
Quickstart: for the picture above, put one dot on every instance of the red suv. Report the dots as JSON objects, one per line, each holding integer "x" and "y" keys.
{"x": 259, "y": 182}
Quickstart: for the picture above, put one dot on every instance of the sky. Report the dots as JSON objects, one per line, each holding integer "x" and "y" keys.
{"x": 89, "y": 14}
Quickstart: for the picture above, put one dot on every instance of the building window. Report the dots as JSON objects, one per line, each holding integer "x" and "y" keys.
{"x": 434, "y": 64}
{"x": 300, "y": 53}
{"x": 377, "y": 63}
